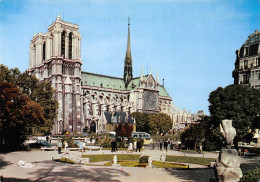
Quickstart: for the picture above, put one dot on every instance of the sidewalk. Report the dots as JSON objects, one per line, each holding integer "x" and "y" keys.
{"x": 47, "y": 170}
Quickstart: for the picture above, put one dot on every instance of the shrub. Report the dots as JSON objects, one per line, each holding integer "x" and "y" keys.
{"x": 106, "y": 142}
{"x": 143, "y": 159}
{"x": 69, "y": 139}
{"x": 251, "y": 176}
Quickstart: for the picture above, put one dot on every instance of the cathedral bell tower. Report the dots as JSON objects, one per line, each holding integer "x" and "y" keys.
{"x": 55, "y": 57}
{"x": 128, "y": 74}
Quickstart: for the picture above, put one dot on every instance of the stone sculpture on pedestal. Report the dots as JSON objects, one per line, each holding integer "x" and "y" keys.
{"x": 228, "y": 165}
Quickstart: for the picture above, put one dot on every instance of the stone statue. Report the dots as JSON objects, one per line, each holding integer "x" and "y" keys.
{"x": 228, "y": 164}
{"x": 115, "y": 159}
{"x": 228, "y": 131}
{"x": 150, "y": 161}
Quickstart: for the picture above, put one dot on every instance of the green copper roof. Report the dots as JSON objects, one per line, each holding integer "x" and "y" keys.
{"x": 104, "y": 81}
{"x": 163, "y": 92}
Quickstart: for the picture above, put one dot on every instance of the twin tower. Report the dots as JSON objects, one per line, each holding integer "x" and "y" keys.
{"x": 84, "y": 97}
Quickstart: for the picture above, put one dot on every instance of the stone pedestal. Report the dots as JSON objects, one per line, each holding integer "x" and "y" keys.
{"x": 228, "y": 166}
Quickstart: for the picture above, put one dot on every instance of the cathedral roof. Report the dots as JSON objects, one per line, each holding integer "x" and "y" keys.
{"x": 163, "y": 92}
{"x": 104, "y": 81}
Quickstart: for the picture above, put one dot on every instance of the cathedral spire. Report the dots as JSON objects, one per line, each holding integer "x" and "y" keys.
{"x": 128, "y": 75}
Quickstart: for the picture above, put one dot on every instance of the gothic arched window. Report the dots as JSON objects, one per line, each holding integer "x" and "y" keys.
{"x": 70, "y": 45}
{"x": 63, "y": 43}
{"x": 43, "y": 51}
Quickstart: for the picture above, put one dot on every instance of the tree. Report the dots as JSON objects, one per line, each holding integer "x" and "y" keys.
{"x": 193, "y": 135}
{"x": 18, "y": 115}
{"x": 40, "y": 92}
{"x": 124, "y": 130}
{"x": 202, "y": 133}
{"x": 239, "y": 103}
{"x": 159, "y": 123}
{"x": 141, "y": 121}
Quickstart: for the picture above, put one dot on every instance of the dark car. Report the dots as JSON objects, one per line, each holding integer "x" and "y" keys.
{"x": 41, "y": 143}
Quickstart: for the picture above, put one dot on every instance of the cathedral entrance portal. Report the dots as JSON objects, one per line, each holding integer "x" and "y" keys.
{"x": 93, "y": 127}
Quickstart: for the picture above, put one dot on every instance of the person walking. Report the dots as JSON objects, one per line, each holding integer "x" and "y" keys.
{"x": 138, "y": 146}
{"x": 59, "y": 146}
{"x": 135, "y": 145}
{"x": 65, "y": 144}
{"x": 113, "y": 146}
{"x": 165, "y": 145}
{"x": 160, "y": 145}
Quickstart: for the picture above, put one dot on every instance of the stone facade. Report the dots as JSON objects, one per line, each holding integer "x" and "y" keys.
{"x": 84, "y": 97}
{"x": 247, "y": 65}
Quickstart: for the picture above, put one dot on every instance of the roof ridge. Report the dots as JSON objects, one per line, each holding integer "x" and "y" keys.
{"x": 102, "y": 75}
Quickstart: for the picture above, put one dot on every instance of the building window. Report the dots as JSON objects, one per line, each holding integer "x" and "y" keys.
{"x": 43, "y": 51}
{"x": 247, "y": 51}
{"x": 63, "y": 44}
{"x": 246, "y": 64}
{"x": 70, "y": 45}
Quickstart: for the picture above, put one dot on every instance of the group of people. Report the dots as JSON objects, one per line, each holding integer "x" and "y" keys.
{"x": 164, "y": 144}
{"x": 65, "y": 143}
{"x": 136, "y": 146}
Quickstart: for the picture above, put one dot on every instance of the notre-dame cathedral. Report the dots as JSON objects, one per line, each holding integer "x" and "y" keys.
{"x": 86, "y": 99}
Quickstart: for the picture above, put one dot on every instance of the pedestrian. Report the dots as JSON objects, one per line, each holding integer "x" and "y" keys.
{"x": 130, "y": 147}
{"x": 115, "y": 145}
{"x": 112, "y": 146}
{"x": 47, "y": 138}
{"x": 135, "y": 145}
{"x": 165, "y": 145}
{"x": 83, "y": 146}
{"x": 138, "y": 146}
{"x": 65, "y": 144}
{"x": 160, "y": 145}
{"x": 59, "y": 146}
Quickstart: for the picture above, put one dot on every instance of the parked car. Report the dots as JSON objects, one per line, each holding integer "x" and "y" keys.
{"x": 41, "y": 143}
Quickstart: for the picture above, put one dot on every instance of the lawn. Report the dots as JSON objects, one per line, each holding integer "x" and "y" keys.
{"x": 109, "y": 157}
{"x": 66, "y": 160}
{"x": 157, "y": 164}
{"x": 192, "y": 160}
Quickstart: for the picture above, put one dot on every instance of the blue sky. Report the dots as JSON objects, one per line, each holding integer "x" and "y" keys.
{"x": 191, "y": 43}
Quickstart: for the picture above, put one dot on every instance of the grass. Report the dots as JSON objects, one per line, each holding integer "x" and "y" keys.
{"x": 157, "y": 164}
{"x": 109, "y": 157}
{"x": 66, "y": 160}
{"x": 193, "y": 160}
{"x": 119, "y": 149}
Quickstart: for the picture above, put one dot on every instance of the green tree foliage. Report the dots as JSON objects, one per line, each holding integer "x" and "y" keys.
{"x": 159, "y": 123}
{"x": 40, "y": 92}
{"x": 193, "y": 135}
{"x": 18, "y": 115}
{"x": 152, "y": 123}
{"x": 141, "y": 121}
{"x": 203, "y": 133}
{"x": 239, "y": 103}
{"x": 251, "y": 176}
